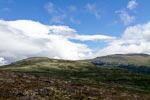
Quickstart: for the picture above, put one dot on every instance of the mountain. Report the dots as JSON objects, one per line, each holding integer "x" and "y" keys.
{"x": 136, "y": 62}
{"x": 43, "y": 63}
{"x": 124, "y": 59}
{"x": 83, "y": 73}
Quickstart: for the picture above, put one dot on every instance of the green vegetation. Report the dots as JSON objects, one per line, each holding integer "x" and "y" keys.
{"x": 124, "y": 59}
{"x": 18, "y": 86}
{"x": 135, "y": 62}
{"x": 84, "y": 73}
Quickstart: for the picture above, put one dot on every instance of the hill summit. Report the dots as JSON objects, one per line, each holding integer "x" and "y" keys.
{"x": 123, "y": 59}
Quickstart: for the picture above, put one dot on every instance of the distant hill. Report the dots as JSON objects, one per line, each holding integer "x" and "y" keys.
{"x": 40, "y": 63}
{"x": 138, "y": 62}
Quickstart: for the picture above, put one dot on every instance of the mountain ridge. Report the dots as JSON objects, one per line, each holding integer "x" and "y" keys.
{"x": 124, "y": 58}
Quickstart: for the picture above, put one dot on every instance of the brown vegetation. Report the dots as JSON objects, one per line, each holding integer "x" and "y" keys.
{"x": 16, "y": 86}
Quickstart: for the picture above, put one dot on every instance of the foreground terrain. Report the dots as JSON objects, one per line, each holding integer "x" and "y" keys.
{"x": 38, "y": 77}
{"x": 15, "y": 86}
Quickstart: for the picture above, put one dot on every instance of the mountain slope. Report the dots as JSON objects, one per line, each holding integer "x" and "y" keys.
{"x": 124, "y": 59}
{"x": 41, "y": 63}
{"x": 135, "y": 62}
{"x": 83, "y": 73}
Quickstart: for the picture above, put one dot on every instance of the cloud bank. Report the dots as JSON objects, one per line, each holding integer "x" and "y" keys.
{"x": 26, "y": 38}
{"x": 135, "y": 39}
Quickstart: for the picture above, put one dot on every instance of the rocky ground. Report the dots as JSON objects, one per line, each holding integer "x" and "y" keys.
{"x": 16, "y": 86}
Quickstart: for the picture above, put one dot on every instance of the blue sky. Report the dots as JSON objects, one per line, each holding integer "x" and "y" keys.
{"x": 86, "y": 17}
{"x": 109, "y": 22}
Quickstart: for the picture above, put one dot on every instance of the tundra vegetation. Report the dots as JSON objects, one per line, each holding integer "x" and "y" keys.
{"x": 50, "y": 79}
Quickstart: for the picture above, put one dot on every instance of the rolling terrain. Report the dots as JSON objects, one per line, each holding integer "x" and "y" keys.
{"x": 68, "y": 80}
{"x": 136, "y": 62}
{"x": 16, "y": 86}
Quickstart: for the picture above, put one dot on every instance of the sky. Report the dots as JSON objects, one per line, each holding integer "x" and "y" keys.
{"x": 72, "y": 29}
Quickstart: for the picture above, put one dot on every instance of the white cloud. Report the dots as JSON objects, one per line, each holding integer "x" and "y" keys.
{"x": 92, "y": 9}
{"x": 139, "y": 33}
{"x": 57, "y": 14}
{"x": 92, "y": 37}
{"x": 50, "y": 8}
{"x": 2, "y": 61}
{"x": 26, "y": 38}
{"x": 61, "y": 30}
{"x": 58, "y": 19}
{"x": 136, "y": 39}
{"x": 125, "y": 17}
{"x": 132, "y": 4}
